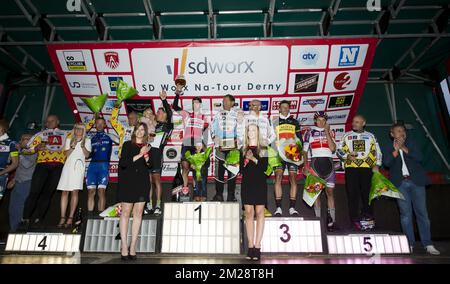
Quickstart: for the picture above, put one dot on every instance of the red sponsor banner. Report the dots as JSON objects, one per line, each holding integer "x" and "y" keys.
{"x": 314, "y": 74}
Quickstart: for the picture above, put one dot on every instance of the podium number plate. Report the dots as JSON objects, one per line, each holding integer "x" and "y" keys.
{"x": 43, "y": 242}
{"x": 207, "y": 227}
{"x": 291, "y": 235}
{"x": 368, "y": 244}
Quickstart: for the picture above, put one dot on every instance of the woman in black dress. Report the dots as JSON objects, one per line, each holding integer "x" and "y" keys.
{"x": 254, "y": 189}
{"x": 133, "y": 187}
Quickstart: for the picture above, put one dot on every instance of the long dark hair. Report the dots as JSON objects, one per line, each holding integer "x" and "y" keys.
{"x": 145, "y": 138}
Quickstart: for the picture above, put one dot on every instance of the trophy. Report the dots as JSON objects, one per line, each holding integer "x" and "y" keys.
{"x": 227, "y": 144}
{"x": 180, "y": 79}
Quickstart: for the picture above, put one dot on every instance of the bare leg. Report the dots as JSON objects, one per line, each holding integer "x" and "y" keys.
{"x": 101, "y": 199}
{"x": 330, "y": 196}
{"x": 157, "y": 182}
{"x": 278, "y": 188}
{"x": 150, "y": 198}
{"x": 317, "y": 203}
{"x": 136, "y": 226}
{"x": 73, "y": 203}
{"x": 185, "y": 172}
{"x": 330, "y": 202}
{"x": 259, "y": 225}
{"x": 63, "y": 203}
{"x": 123, "y": 226}
{"x": 91, "y": 199}
{"x": 249, "y": 224}
{"x": 293, "y": 181}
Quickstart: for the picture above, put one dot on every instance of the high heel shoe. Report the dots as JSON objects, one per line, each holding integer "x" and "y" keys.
{"x": 131, "y": 256}
{"x": 68, "y": 224}
{"x": 256, "y": 254}
{"x": 62, "y": 220}
{"x": 250, "y": 253}
{"x": 125, "y": 257}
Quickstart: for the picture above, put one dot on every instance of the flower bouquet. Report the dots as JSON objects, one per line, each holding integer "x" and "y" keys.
{"x": 381, "y": 186}
{"x": 312, "y": 189}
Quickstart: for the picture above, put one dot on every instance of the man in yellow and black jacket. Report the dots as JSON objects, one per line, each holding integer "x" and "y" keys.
{"x": 123, "y": 131}
{"x": 49, "y": 146}
{"x": 361, "y": 155}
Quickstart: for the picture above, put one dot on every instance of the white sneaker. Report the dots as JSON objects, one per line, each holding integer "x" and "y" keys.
{"x": 293, "y": 212}
{"x": 278, "y": 212}
{"x": 158, "y": 211}
{"x": 432, "y": 250}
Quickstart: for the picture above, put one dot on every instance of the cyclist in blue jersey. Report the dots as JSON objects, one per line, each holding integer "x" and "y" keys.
{"x": 97, "y": 176}
{"x": 9, "y": 156}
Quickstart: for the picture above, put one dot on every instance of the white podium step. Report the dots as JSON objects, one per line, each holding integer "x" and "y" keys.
{"x": 201, "y": 227}
{"x": 291, "y": 235}
{"x": 101, "y": 235}
{"x": 368, "y": 244}
{"x": 43, "y": 242}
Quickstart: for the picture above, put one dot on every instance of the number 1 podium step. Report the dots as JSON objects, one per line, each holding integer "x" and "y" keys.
{"x": 207, "y": 228}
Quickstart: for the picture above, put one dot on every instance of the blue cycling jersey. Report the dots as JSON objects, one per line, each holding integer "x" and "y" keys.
{"x": 101, "y": 147}
{"x": 7, "y": 149}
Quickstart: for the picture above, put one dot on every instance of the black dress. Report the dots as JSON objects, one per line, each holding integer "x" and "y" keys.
{"x": 134, "y": 183}
{"x": 254, "y": 180}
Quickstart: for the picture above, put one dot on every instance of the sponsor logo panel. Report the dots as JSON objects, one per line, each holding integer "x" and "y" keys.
{"x": 306, "y": 83}
{"x": 75, "y": 60}
{"x": 112, "y": 60}
{"x": 309, "y": 56}
{"x": 339, "y": 81}
{"x": 347, "y": 55}
{"x": 313, "y": 103}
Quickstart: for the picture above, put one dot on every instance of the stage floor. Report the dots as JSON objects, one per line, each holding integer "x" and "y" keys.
{"x": 418, "y": 257}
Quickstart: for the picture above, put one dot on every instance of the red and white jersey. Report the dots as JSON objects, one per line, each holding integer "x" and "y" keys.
{"x": 194, "y": 125}
{"x": 316, "y": 141}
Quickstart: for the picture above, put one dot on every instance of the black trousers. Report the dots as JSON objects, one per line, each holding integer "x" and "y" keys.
{"x": 357, "y": 184}
{"x": 220, "y": 176}
{"x": 43, "y": 185}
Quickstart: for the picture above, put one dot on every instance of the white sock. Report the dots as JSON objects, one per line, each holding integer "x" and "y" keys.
{"x": 332, "y": 212}
{"x": 317, "y": 211}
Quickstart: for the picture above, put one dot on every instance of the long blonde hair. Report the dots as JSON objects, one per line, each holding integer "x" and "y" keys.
{"x": 259, "y": 148}
{"x": 72, "y": 133}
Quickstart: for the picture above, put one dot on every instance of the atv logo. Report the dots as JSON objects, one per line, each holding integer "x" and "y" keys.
{"x": 348, "y": 55}
{"x": 112, "y": 59}
{"x": 342, "y": 81}
{"x": 309, "y": 56}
